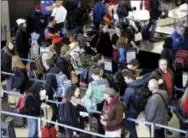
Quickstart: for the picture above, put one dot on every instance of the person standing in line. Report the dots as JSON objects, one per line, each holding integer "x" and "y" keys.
{"x": 22, "y": 39}
{"x": 156, "y": 110}
{"x": 155, "y": 13}
{"x": 60, "y": 14}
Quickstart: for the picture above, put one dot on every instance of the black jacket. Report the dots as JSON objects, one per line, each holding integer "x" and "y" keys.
{"x": 22, "y": 41}
{"x": 63, "y": 65}
{"x": 124, "y": 7}
{"x": 6, "y": 61}
{"x": 51, "y": 82}
{"x": 157, "y": 74}
{"x": 20, "y": 80}
{"x": 32, "y": 101}
{"x": 71, "y": 114}
{"x": 155, "y": 11}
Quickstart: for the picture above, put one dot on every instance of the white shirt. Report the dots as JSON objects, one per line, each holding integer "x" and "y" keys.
{"x": 60, "y": 14}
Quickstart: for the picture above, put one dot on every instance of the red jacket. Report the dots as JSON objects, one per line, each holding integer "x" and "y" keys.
{"x": 113, "y": 115}
{"x": 146, "y": 4}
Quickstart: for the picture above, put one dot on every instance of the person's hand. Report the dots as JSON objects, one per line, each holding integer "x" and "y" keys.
{"x": 138, "y": 50}
{"x": 103, "y": 123}
{"x": 186, "y": 121}
{"x": 160, "y": 81}
{"x": 74, "y": 133}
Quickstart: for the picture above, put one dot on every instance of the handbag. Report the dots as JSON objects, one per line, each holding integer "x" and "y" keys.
{"x": 138, "y": 37}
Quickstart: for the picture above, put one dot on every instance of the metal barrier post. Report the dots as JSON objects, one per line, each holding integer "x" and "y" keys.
{"x": 39, "y": 127}
{"x": 152, "y": 130}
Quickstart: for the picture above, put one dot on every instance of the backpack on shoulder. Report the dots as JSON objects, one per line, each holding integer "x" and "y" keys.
{"x": 140, "y": 99}
{"x": 181, "y": 60}
{"x": 63, "y": 85}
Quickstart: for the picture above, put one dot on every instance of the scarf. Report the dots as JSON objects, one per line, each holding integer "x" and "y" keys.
{"x": 185, "y": 106}
{"x": 75, "y": 101}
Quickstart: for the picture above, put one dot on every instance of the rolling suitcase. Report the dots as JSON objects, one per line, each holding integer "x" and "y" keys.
{"x": 49, "y": 131}
{"x": 18, "y": 121}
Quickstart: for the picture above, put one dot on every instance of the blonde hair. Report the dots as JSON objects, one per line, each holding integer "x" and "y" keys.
{"x": 185, "y": 95}
{"x": 17, "y": 63}
{"x": 122, "y": 42}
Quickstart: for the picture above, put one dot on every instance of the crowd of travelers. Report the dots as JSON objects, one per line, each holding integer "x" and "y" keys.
{"x": 71, "y": 35}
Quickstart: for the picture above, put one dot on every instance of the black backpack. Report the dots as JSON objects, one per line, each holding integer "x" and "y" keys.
{"x": 141, "y": 96}
{"x": 83, "y": 13}
{"x": 62, "y": 115}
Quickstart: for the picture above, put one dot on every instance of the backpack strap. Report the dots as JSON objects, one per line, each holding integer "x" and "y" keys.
{"x": 166, "y": 106}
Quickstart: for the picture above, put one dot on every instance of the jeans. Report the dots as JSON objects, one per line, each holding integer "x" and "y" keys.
{"x": 70, "y": 132}
{"x": 121, "y": 19}
{"x": 131, "y": 125}
{"x": 153, "y": 24}
{"x": 9, "y": 83}
{"x": 33, "y": 128}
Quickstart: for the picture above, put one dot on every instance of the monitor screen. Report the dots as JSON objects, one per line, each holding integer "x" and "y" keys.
{"x": 185, "y": 78}
{"x": 108, "y": 65}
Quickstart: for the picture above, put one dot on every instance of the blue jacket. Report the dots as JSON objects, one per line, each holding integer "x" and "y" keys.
{"x": 177, "y": 41}
{"x": 130, "y": 91}
{"x": 99, "y": 11}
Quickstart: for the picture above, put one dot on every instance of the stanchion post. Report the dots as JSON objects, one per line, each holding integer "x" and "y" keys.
{"x": 39, "y": 127}
{"x": 152, "y": 130}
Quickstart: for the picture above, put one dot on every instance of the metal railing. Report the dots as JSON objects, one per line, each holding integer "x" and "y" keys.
{"x": 152, "y": 125}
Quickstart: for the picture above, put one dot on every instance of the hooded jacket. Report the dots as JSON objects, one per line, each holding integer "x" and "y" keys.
{"x": 32, "y": 101}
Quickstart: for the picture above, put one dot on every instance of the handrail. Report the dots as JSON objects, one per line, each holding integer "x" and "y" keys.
{"x": 27, "y": 60}
{"x": 171, "y": 128}
{"x": 95, "y": 111}
{"x": 52, "y": 122}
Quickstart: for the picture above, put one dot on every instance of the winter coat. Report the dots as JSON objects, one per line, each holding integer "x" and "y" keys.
{"x": 129, "y": 94}
{"x": 36, "y": 16}
{"x": 6, "y": 60}
{"x": 123, "y": 8}
{"x": 50, "y": 85}
{"x": 157, "y": 74}
{"x": 22, "y": 41}
{"x": 113, "y": 115}
{"x": 177, "y": 41}
{"x": 155, "y": 110}
{"x": 155, "y": 10}
{"x": 33, "y": 102}
{"x": 104, "y": 45}
{"x": 63, "y": 65}
{"x": 71, "y": 114}
{"x": 95, "y": 90}
{"x": 20, "y": 79}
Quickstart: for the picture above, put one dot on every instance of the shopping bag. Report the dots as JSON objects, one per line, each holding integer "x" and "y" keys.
{"x": 138, "y": 37}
